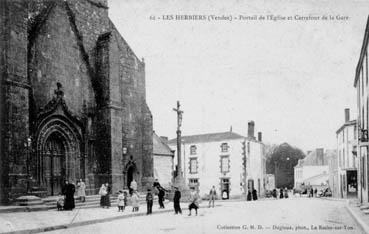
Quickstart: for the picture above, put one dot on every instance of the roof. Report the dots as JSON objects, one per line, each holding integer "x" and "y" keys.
{"x": 210, "y": 137}
{"x": 160, "y": 147}
{"x": 348, "y": 123}
{"x": 312, "y": 159}
{"x": 362, "y": 53}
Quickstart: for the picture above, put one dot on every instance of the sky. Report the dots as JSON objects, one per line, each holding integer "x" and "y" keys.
{"x": 293, "y": 77}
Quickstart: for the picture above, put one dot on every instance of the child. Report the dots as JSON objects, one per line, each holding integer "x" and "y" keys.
{"x": 149, "y": 201}
{"x": 134, "y": 200}
{"x": 60, "y": 202}
{"x": 121, "y": 201}
{"x": 125, "y": 199}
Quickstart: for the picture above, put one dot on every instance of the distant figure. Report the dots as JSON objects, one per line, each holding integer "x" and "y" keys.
{"x": 275, "y": 193}
{"x": 68, "y": 192}
{"x": 315, "y": 192}
{"x": 125, "y": 199}
{"x": 212, "y": 196}
{"x": 254, "y": 195}
{"x": 121, "y": 198}
{"x": 133, "y": 186}
{"x": 285, "y": 193}
{"x": 249, "y": 197}
{"x": 107, "y": 197}
{"x": 134, "y": 201}
{"x": 281, "y": 193}
{"x": 194, "y": 199}
{"x": 149, "y": 201}
{"x": 103, "y": 192}
{"x": 81, "y": 190}
{"x": 311, "y": 192}
{"x": 161, "y": 193}
{"x": 176, "y": 201}
{"x": 60, "y": 202}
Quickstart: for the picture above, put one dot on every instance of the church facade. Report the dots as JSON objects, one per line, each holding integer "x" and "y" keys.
{"x": 73, "y": 101}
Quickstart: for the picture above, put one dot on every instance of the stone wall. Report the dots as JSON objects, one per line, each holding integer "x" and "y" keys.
{"x": 15, "y": 88}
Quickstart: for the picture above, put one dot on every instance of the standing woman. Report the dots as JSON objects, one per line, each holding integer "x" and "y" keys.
{"x": 281, "y": 193}
{"x": 68, "y": 192}
{"x": 107, "y": 197}
{"x": 102, "y": 193}
{"x": 81, "y": 190}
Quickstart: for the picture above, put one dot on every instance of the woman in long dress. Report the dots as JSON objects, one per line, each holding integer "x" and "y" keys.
{"x": 102, "y": 193}
{"x": 134, "y": 201}
{"x": 81, "y": 190}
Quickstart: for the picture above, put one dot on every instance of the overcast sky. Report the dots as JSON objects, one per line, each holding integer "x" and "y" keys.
{"x": 292, "y": 77}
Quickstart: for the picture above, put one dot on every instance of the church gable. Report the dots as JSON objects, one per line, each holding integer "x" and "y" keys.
{"x": 55, "y": 56}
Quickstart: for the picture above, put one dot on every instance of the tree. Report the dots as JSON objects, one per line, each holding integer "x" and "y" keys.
{"x": 281, "y": 161}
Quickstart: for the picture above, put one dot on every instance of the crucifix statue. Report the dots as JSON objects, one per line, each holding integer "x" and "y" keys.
{"x": 179, "y": 142}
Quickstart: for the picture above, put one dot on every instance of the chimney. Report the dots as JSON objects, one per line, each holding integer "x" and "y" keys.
{"x": 251, "y": 129}
{"x": 347, "y": 115}
{"x": 260, "y": 138}
{"x": 164, "y": 138}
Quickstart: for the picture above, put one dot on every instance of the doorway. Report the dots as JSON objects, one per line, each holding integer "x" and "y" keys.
{"x": 130, "y": 177}
{"x": 224, "y": 186}
{"x": 54, "y": 164}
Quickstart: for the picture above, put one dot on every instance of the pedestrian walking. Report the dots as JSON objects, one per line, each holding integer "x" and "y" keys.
{"x": 315, "y": 192}
{"x": 281, "y": 193}
{"x": 121, "y": 198}
{"x": 254, "y": 195}
{"x": 194, "y": 199}
{"x": 275, "y": 193}
{"x": 68, "y": 191}
{"x": 81, "y": 190}
{"x": 311, "y": 192}
{"x": 149, "y": 201}
{"x": 134, "y": 201}
{"x": 176, "y": 201}
{"x": 103, "y": 192}
{"x": 212, "y": 196}
{"x": 161, "y": 198}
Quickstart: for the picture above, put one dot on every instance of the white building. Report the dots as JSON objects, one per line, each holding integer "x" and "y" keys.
{"x": 347, "y": 160}
{"x": 218, "y": 159}
{"x": 361, "y": 85}
{"x": 312, "y": 170}
{"x": 163, "y": 163}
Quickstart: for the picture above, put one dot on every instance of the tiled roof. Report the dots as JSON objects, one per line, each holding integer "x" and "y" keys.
{"x": 160, "y": 147}
{"x": 210, "y": 137}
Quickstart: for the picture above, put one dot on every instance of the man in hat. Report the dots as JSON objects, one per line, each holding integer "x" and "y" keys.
{"x": 176, "y": 201}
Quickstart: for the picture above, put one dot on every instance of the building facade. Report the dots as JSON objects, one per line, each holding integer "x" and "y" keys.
{"x": 313, "y": 170}
{"x": 73, "y": 100}
{"x": 361, "y": 85}
{"x": 163, "y": 161}
{"x": 347, "y": 158}
{"x": 232, "y": 163}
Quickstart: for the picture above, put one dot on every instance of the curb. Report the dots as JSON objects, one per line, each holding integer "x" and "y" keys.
{"x": 358, "y": 220}
{"x": 93, "y": 221}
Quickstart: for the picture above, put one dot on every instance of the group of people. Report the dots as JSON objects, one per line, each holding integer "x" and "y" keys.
{"x": 252, "y": 195}
{"x": 65, "y": 200}
{"x": 283, "y": 193}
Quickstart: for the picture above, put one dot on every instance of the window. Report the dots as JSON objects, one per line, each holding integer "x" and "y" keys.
{"x": 193, "y": 150}
{"x": 193, "y": 165}
{"x": 193, "y": 183}
{"x": 224, "y": 147}
{"x": 224, "y": 164}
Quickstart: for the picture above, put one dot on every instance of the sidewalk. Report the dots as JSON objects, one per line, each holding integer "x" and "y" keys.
{"x": 42, "y": 221}
{"x": 358, "y": 215}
